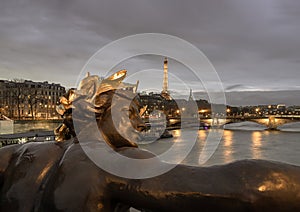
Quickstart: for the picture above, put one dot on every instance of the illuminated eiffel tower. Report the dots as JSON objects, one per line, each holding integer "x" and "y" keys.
{"x": 165, "y": 92}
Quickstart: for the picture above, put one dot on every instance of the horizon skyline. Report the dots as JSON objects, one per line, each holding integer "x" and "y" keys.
{"x": 232, "y": 97}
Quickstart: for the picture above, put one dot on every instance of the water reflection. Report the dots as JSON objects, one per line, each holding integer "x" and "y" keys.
{"x": 210, "y": 145}
{"x": 202, "y": 135}
{"x": 256, "y": 145}
{"x": 227, "y": 146}
{"x": 26, "y": 126}
{"x": 176, "y": 133}
{"x": 234, "y": 145}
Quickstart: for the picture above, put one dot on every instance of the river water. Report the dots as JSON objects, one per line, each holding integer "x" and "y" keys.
{"x": 238, "y": 141}
{"x": 27, "y": 126}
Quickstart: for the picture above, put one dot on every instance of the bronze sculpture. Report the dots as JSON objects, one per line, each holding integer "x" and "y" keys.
{"x": 59, "y": 176}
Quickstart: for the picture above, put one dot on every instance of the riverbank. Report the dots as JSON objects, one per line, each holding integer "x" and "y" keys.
{"x": 23, "y": 126}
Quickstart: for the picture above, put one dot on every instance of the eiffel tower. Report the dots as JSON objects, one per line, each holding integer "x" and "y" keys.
{"x": 165, "y": 92}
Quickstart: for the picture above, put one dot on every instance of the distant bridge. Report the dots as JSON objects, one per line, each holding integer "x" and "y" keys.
{"x": 271, "y": 121}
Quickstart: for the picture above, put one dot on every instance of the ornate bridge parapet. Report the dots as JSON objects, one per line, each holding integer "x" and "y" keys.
{"x": 271, "y": 122}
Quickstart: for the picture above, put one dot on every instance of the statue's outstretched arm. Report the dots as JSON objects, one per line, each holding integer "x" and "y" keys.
{"x": 248, "y": 185}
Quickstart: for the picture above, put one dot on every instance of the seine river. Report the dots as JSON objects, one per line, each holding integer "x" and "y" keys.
{"x": 26, "y": 126}
{"x": 244, "y": 140}
{"x": 238, "y": 141}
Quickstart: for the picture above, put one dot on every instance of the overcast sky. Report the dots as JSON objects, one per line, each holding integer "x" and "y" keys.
{"x": 253, "y": 45}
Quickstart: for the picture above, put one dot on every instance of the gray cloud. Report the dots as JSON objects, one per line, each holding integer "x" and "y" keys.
{"x": 263, "y": 97}
{"x": 255, "y": 44}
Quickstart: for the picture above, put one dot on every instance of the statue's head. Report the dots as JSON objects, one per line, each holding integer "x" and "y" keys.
{"x": 113, "y": 104}
{"x": 120, "y": 122}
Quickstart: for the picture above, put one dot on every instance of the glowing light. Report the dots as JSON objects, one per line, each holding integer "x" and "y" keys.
{"x": 256, "y": 145}
{"x": 228, "y": 138}
{"x": 202, "y": 135}
{"x": 176, "y": 133}
{"x": 262, "y": 188}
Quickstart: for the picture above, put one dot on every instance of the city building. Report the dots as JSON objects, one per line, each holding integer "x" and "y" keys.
{"x": 25, "y": 99}
{"x": 152, "y": 102}
{"x": 175, "y": 108}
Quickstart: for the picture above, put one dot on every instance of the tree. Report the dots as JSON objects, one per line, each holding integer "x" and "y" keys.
{"x": 33, "y": 100}
{"x": 18, "y": 94}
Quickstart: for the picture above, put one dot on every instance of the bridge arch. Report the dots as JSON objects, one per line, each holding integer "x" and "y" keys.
{"x": 272, "y": 122}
